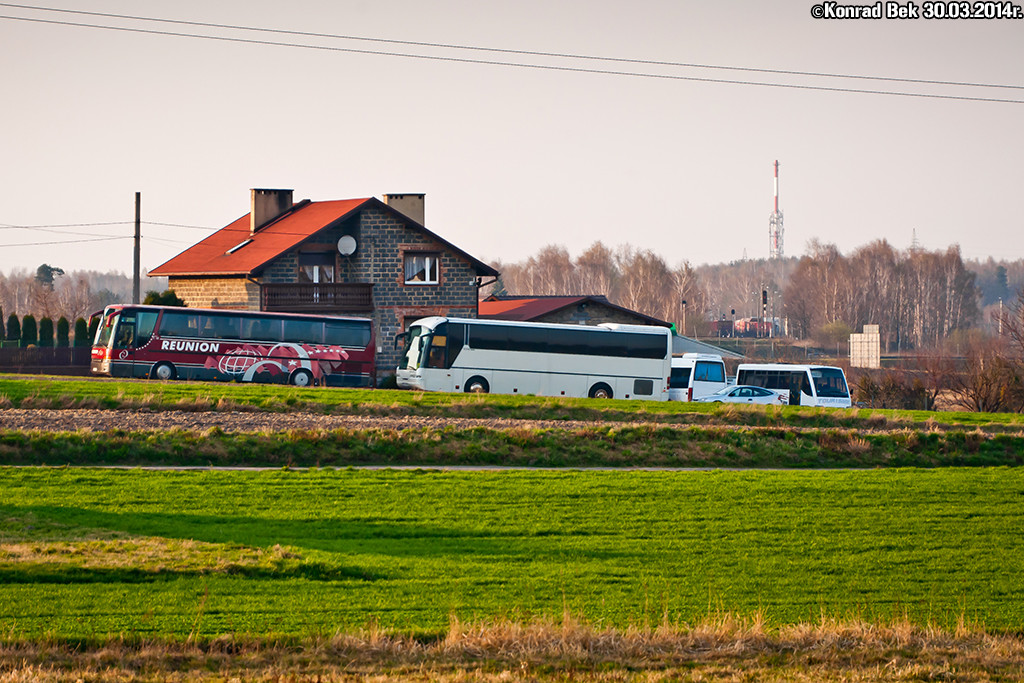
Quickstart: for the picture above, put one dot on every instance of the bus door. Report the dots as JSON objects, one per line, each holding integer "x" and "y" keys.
{"x": 796, "y": 380}
{"x": 133, "y": 331}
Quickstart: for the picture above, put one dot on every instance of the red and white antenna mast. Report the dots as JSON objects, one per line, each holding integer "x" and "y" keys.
{"x": 775, "y": 230}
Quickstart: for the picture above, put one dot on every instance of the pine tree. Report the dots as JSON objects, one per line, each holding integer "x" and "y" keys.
{"x": 46, "y": 332}
{"x": 82, "y": 337}
{"x": 29, "y": 331}
{"x": 13, "y": 328}
{"x": 63, "y": 332}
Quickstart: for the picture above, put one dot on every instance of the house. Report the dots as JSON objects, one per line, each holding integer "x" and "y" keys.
{"x": 582, "y": 310}
{"x": 585, "y": 310}
{"x": 361, "y": 257}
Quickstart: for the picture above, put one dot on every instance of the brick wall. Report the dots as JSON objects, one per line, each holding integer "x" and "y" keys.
{"x": 386, "y": 239}
{"x": 222, "y": 292}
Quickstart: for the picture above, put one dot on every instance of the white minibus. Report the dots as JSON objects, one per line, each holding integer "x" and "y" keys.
{"x": 803, "y": 385}
{"x": 695, "y": 375}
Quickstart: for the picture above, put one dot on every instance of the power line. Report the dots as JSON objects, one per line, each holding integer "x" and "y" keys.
{"x": 176, "y": 225}
{"x": 9, "y": 226}
{"x": 531, "y": 53}
{"x": 43, "y": 244}
{"x": 539, "y": 67}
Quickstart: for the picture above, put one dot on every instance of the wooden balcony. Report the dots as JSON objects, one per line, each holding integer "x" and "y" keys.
{"x": 317, "y": 298}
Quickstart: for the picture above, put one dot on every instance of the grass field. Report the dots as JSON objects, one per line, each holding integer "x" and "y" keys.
{"x": 57, "y": 392}
{"x": 344, "y": 575}
{"x": 89, "y": 553}
{"x": 619, "y": 446}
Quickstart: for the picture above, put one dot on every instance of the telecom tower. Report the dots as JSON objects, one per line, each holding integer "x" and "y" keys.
{"x": 775, "y": 223}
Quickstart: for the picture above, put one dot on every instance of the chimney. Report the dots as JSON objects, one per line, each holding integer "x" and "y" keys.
{"x": 267, "y": 205}
{"x": 412, "y": 205}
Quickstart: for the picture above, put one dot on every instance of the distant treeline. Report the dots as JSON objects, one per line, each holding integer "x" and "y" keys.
{"x": 50, "y": 292}
{"x": 917, "y": 297}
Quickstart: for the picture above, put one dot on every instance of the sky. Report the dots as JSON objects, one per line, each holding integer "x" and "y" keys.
{"x": 510, "y": 158}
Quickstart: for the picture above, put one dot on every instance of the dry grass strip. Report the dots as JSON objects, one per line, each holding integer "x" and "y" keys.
{"x": 721, "y": 649}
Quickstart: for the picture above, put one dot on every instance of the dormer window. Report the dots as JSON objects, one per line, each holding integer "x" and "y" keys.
{"x": 421, "y": 268}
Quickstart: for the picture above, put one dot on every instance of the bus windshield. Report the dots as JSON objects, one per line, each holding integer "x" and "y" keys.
{"x": 105, "y": 331}
{"x": 829, "y": 382}
{"x": 413, "y": 347}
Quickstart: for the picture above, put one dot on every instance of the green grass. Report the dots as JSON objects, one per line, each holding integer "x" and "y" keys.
{"x": 89, "y": 553}
{"x": 597, "y": 446}
{"x": 59, "y": 392}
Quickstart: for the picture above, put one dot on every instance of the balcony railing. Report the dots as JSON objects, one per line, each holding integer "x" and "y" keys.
{"x": 317, "y": 298}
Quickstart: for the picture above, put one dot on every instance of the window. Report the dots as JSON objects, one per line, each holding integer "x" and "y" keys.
{"x": 261, "y": 330}
{"x": 709, "y": 372}
{"x": 421, "y": 269}
{"x": 316, "y": 267}
{"x": 680, "y": 378}
{"x": 179, "y": 324}
{"x": 219, "y": 327}
{"x": 145, "y": 326}
{"x": 643, "y": 387}
{"x": 347, "y": 333}
{"x": 303, "y": 332}
{"x": 581, "y": 341}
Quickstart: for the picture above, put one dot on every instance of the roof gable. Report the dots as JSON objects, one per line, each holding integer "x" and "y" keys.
{"x": 532, "y": 308}
{"x": 226, "y": 251}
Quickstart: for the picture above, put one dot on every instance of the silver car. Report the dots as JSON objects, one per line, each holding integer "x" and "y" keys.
{"x": 744, "y": 393}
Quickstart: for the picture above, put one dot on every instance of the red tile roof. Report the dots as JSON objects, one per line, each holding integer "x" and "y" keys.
{"x": 211, "y": 257}
{"x": 531, "y": 308}
{"x": 302, "y": 221}
{"x": 526, "y": 308}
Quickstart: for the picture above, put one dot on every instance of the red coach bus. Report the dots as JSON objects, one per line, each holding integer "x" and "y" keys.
{"x": 159, "y": 342}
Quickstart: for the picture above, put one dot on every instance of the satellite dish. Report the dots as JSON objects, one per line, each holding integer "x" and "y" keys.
{"x": 347, "y": 245}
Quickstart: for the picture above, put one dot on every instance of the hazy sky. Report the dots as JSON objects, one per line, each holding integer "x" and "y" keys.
{"x": 511, "y": 159}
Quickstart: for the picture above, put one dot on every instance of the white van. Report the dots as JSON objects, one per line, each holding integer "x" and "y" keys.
{"x": 695, "y": 375}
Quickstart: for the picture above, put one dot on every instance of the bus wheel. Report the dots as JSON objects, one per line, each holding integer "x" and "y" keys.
{"x": 301, "y": 378}
{"x": 600, "y": 390}
{"x": 477, "y": 385}
{"x": 163, "y": 371}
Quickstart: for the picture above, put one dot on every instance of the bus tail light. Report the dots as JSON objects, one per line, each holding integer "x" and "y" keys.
{"x": 689, "y": 394}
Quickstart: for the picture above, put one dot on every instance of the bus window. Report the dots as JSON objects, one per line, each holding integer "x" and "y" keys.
{"x": 144, "y": 326}
{"x": 351, "y": 334}
{"x": 124, "y": 338}
{"x": 456, "y": 340}
{"x": 303, "y": 332}
{"x": 261, "y": 330}
{"x": 179, "y": 324}
{"x": 436, "y": 356}
{"x": 219, "y": 327}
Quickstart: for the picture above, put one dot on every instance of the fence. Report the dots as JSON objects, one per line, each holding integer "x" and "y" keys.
{"x": 52, "y": 361}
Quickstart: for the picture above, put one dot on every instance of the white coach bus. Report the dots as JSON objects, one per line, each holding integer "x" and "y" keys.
{"x": 803, "y": 385}
{"x": 505, "y": 357}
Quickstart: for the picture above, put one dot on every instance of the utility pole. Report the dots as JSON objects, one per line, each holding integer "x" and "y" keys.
{"x": 138, "y": 238}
